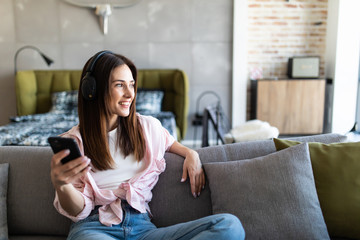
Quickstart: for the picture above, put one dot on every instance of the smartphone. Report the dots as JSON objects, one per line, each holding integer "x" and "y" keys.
{"x": 60, "y": 143}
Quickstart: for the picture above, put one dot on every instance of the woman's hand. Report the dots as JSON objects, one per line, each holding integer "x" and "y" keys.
{"x": 192, "y": 168}
{"x": 62, "y": 177}
{"x": 71, "y": 172}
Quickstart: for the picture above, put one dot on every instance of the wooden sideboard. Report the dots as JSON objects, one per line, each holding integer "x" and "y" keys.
{"x": 294, "y": 106}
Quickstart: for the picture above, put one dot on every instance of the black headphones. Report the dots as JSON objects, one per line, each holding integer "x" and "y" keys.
{"x": 88, "y": 86}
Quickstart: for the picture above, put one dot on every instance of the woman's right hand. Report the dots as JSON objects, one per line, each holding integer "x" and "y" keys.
{"x": 62, "y": 177}
{"x": 71, "y": 172}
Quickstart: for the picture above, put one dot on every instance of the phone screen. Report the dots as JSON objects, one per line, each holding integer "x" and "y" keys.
{"x": 60, "y": 143}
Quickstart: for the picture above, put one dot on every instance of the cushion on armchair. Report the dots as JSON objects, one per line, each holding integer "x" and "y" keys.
{"x": 149, "y": 100}
{"x": 65, "y": 101}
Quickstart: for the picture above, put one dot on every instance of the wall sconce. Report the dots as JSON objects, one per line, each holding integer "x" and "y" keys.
{"x": 48, "y": 60}
{"x": 103, "y": 8}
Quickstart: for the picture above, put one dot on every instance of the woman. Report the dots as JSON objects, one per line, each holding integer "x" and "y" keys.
{"x": 110, "y": 192}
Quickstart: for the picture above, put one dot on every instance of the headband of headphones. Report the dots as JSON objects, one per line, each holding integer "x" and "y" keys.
{"x": 88, "y": 86}
{"x": 94, "y": 59}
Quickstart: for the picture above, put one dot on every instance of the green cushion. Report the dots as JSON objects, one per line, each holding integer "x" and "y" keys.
{"x": 336, "y": 170}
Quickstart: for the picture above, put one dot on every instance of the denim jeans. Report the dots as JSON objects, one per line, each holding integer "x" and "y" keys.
{"x": 137, "y": 225}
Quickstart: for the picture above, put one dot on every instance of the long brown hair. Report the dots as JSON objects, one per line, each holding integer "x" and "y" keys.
{"x": 94, "y": 116}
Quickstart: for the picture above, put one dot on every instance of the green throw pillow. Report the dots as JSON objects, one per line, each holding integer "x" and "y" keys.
{"x": 336, "y": 170}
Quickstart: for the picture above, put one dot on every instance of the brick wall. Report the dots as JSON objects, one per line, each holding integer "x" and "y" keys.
{"x": 279, "y": 29}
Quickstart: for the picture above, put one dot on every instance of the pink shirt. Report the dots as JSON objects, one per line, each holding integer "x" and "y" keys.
{"x": 137, "y": 191}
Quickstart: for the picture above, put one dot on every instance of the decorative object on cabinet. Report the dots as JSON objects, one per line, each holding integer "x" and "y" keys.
{"x": 304, "y": 67}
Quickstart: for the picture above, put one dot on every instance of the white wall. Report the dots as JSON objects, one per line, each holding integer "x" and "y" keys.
{"x": 342, "y": 61}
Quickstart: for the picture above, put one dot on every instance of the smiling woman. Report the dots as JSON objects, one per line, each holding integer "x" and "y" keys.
{"x": 122, "y": 157}
{"x": 109, "y": 108}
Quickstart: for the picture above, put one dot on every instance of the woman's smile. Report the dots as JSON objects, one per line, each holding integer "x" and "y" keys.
{"x": 125, "y": 104}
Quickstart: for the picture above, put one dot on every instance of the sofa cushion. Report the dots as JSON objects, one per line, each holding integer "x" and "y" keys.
{"x": 236, "y": 151}
{"x": 257, "y": 148}
{"x": 172, "y": 200}
{"x": 30, "y": 192}
{"x": 322, "y": 138}
{"x": 273, "y": 195}
{"x": 336, "y": 170}
{"x": 3, "y": 193}
{"x": 170, "y": 190}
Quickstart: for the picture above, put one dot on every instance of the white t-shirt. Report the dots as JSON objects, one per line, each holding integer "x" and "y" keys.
{"x": 125, "y": 168}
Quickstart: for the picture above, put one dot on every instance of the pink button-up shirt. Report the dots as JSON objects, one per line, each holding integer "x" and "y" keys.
{"x": 137, "y": 191}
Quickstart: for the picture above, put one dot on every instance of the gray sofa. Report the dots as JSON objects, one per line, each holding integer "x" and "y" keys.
{"x": 31, "y": 215}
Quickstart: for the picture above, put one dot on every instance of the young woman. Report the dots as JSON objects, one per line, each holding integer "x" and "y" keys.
{"x": 108, "y": 189}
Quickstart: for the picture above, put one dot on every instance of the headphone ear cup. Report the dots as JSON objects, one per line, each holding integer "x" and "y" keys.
{"x": 88, "y": 87}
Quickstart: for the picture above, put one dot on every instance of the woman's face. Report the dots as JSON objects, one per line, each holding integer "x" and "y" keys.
{"x": 122, "y": 92}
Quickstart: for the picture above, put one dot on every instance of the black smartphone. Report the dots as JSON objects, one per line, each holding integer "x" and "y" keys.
{"x": 60, "y": 143}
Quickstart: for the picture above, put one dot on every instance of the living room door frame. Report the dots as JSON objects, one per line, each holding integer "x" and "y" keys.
{"x": 358, "y": 99}
{"x": 239, "y": 63}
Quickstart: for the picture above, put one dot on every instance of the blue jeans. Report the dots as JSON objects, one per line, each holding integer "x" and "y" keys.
{"x": 137, "y": 225}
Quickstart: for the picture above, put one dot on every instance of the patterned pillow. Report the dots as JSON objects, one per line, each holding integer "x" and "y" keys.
{"x": 63, "y": 102}
{"x": 149, "y": 101}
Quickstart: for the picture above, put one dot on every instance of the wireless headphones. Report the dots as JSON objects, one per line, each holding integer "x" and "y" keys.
{"x": 88, "y": 86}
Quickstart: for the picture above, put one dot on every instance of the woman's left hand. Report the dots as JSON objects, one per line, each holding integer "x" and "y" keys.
{"x": 192, "y": 168}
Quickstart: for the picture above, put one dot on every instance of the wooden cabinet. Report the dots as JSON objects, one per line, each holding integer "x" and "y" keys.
{"x": 293, "y": 106}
